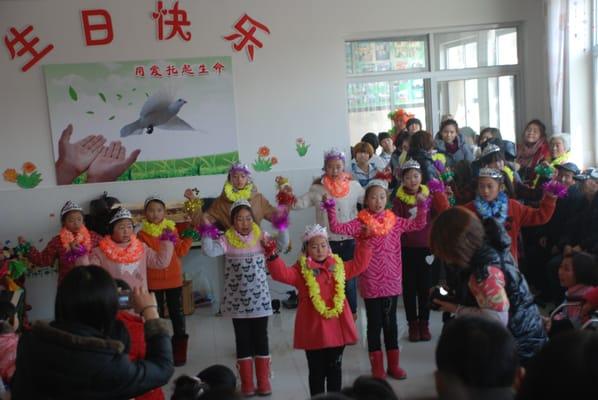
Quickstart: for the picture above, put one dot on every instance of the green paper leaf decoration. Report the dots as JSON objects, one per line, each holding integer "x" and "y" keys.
{"x": 102, "y": 97}
{"x": 73, "y": 94}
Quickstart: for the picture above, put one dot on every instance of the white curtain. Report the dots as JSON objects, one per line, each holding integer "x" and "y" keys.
{"x": 557, "y": 17}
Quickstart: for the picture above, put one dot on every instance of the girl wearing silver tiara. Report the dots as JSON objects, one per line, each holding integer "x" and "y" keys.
{"x": 492, "y": 202}
{"x": 246, "y": 292}
{"x": 323, "y": 322}
{"x": 337, "y": 184}
{"x": 126, "y": 257}
{"x": 380, "y": 285}
{"x": 417, "y": 269}
{"x": 238, "y": 186}
{"x": 73, "y": 242}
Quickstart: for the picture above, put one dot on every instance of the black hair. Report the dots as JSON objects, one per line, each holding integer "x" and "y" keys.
{"x": 584, "y": 268}
{"x": 413, "y": 121}
{"x": 421, "y": 140}
{"x": 446, "y": 123}
{"x": 372, "y": 139}
{"x": 401, "y": 137}
{"x": 87, "y": 295}
{"x": 99, "y": 213}
{"x": 566, "y": 368}
{"x": 110, "y": 216}
{"x": 479, "y": 352}
{"x": 495, "y": 132}
{"x": 7, "y": 311}
{"x": 370, "y": 388}
{"x": 404, "y": 171}
{"x": 214, "y": 379}
{"x": 122, "y": 285}
{"x": 369, "y": 189}
{"x": 63, "y": 216}
{"x": 540, "y": 125}
{"x": 237, "y": 209}
{"x": 154, "y": 201}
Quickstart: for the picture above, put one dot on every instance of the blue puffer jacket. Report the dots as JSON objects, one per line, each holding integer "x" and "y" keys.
{"x": 525, "y": 322}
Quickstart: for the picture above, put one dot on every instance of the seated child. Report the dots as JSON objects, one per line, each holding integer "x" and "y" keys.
{"x": 9, "y": 323}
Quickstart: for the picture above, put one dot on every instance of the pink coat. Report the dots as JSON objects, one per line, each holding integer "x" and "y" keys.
{"x": 384, "y": 276}
{"x": 312, "y": 331}
{"x": 8, "y": 355}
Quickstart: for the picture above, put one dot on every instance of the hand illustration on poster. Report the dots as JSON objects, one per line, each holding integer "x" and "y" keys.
{"x": 142, "y": 119}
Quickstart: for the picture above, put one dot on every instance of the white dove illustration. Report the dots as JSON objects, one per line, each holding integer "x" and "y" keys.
{"x": 160, "y": 110}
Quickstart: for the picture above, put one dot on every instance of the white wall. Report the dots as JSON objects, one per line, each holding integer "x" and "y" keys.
{"x": 295, "y": 87}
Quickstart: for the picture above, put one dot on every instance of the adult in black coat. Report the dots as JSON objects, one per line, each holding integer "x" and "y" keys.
{"x": 74, "y": 357}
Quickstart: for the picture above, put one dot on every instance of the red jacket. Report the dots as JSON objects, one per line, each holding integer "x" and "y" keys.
{"x": 55, "y": 250}
{"x": 520, "y": 216}
{"x": 134, "y": 325}
{"x": 172, "y": 276}
{"x": 312, "y": 331}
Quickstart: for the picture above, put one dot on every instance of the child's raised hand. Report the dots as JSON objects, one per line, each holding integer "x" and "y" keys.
{"x": 420, "y": 198}
{"x": 189, "y": 194}
{"x": 204, "y": 220}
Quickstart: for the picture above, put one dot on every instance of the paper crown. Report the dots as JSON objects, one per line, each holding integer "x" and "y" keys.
{"x": 153, "y": 197}
{"x": 334, "y": 154}
{"x": 490, "y": 173}
{"x": 377, "y": 182}
{"x": 410, "y": 164}
{"x": 239, "y": 203}
{"x": 122, "y": 213}
{"x": 70, "y": 206}
{"x": 489, "y": 149}
{"x": 239, "y": 167}
{"x": 312, "y": 231}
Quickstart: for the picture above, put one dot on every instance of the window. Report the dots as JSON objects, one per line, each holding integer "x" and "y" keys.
{"x": 470, "y": 74}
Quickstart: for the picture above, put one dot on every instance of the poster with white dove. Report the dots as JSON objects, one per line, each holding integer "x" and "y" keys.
{"x": 135, "y": 120}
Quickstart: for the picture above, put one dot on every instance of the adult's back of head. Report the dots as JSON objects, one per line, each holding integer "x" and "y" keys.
{"x": 566, "y": 368}
{"x": 87, "y": 295}
{"x": 478, "y": 353}
{"x": 372, "y": 139}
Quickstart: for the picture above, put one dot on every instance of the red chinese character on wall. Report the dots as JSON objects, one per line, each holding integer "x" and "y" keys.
{"x": 26, "y": 47}
{"x": 171, "y": 70}
{"x": 202, "y": 69}
{"x": 105, "y": 26}
{"x": 178, "y": 19}
{"x": 218, "y": 67}
{"x": 155, "y": 71}
{"x": 140, "y": 71}
{"x": 187, "y": 70}
{"x": 247, "y": 35}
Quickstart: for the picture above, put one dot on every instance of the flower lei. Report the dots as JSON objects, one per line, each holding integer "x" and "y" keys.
{"x": 156, "y": 230}
{"x": 82, "y": 238}
{"x": 338, "y": 187}
{"x": 233, "y": 194}
{"x": 379, "y": 226}
{"x": 498, "y": 209}
{"x": 122, "y": 255}
{"x": 509, "y": 172}
{"x": 237, "y": 241}
{"x": 410, "y": 199}
{"x": 314, "y": 288}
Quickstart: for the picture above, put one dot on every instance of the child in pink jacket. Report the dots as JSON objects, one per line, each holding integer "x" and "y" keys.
{"x": 9, "y": 323}
{"x": 380, "y": 285}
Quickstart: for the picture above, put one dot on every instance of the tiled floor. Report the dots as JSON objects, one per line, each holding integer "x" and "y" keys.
{"x": 212, "y": 341}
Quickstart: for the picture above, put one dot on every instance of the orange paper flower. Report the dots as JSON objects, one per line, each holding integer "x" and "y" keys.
{"x": 29, "y": 167}
{"x": 274, "y": 160}
{"x": 10, "y": 175}
{"x": 263, "y": 151}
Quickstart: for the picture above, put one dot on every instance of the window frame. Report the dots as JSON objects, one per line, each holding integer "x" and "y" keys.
{"x": 433, "y": 75}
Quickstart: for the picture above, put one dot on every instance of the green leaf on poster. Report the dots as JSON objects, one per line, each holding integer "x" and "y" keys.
{"x": 73, "y": 94}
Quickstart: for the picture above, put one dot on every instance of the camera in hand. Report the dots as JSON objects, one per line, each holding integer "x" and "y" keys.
{"x": 439, "y": 293}
{"x": 124, "y": 300}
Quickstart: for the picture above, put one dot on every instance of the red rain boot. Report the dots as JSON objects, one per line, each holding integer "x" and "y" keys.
{"x": 377, "y": 363}
{"x": 262, "y": 373}
{"x": 414, "y": 335}
{"x": 179, "y": 350}
{"x": 424, "y": 331}
{"x": 245, "y": 368}
{"x": 394, "y": 369}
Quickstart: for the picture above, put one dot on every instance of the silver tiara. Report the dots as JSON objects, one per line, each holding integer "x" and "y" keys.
{"x": 312, "y": 231}
{"x": 153, "y": 197}
{"x": 239, "y": 203}
{"x": 122, "y": 213}
{"x": 489, "y": 149}
{"x": 70, "y": 206}
{"x": 490, "y": 173}
{"x": 377, "y": 182}
{"x": 410, "y": 164}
